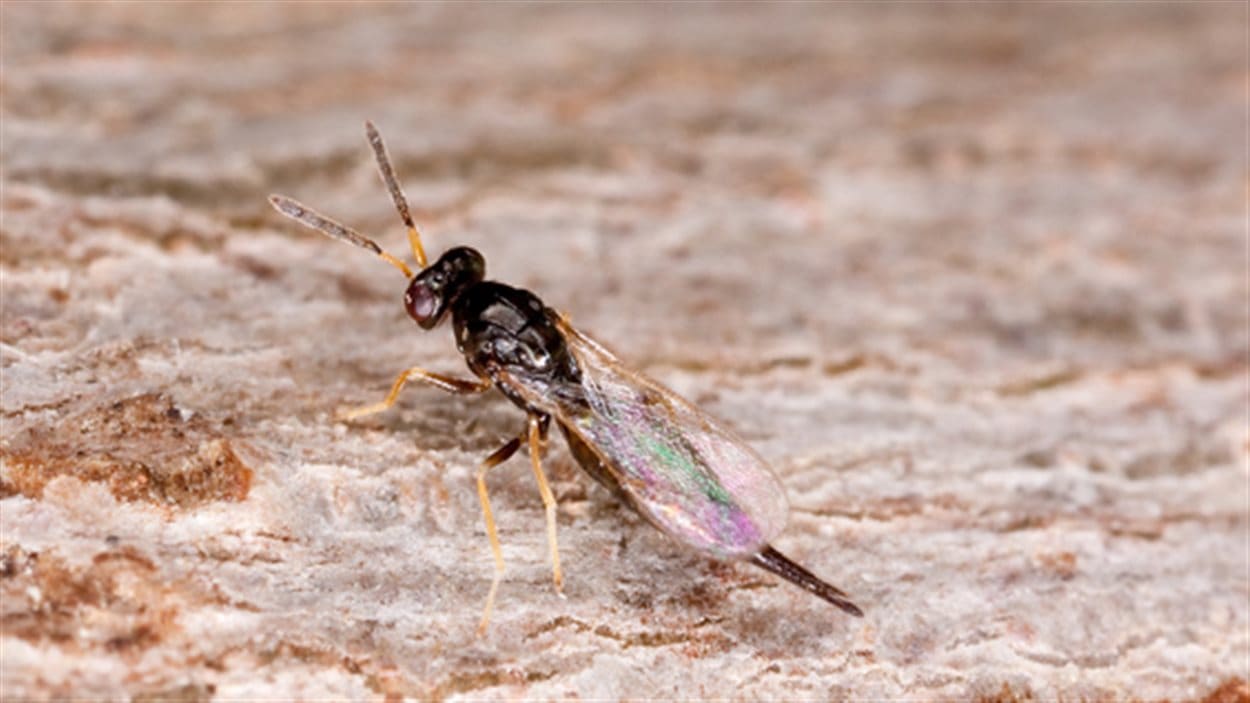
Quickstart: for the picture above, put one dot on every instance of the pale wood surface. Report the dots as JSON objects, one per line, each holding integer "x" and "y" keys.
{"x": 972, "y": 277}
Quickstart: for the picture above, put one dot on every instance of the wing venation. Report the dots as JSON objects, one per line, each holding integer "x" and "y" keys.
{"x": 687, "y": 474}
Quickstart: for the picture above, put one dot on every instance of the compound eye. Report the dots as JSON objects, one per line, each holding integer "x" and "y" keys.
{"x": 422, "y": 304}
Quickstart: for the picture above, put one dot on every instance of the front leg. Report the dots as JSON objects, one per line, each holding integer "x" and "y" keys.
{"x": 457, "y": 386}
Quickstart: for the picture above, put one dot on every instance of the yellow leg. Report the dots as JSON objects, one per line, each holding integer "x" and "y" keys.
{"x": 438, "y": 380}
{"x": 549, "y": 501}
{"x": 499, "y": 456}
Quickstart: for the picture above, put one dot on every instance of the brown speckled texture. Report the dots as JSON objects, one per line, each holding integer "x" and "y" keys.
{"x": 973, "y": 277}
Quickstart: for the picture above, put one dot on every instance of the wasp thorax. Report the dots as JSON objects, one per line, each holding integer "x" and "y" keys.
{"x": 432, "y": 291}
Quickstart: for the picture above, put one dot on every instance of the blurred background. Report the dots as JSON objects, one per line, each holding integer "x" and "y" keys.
{"x": 973, "y": 276}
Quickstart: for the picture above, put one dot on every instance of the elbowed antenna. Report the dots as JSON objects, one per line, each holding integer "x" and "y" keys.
{"x": 397, "y": 193}
{"x": 314, "y": 220}
{"x": 772, "y": 560}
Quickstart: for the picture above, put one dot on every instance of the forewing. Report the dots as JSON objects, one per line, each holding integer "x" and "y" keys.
{"x": 687, "y": 474}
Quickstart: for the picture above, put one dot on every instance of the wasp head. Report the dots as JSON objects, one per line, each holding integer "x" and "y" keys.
{"x": 432, "y": 291}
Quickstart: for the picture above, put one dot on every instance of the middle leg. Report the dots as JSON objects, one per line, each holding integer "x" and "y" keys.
{"x": 537, "y": 435}
{"x": 496, "y": 458}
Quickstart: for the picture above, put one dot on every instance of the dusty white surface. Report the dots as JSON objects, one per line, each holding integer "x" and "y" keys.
{"x": 972, "y": 278}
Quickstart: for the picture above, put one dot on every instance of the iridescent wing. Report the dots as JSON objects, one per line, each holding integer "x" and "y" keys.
{"x": 687, "y": 474}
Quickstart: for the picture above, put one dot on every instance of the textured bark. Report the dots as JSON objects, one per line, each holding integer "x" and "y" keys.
{"x": 973, "y": 277}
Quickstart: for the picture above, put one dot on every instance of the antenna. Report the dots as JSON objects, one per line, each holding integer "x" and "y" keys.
{"x": 314, "y": 220}
{"x": 397, "y": 193}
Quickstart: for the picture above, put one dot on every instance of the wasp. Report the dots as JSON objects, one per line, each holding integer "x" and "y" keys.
{"x": 681, "y": 470}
